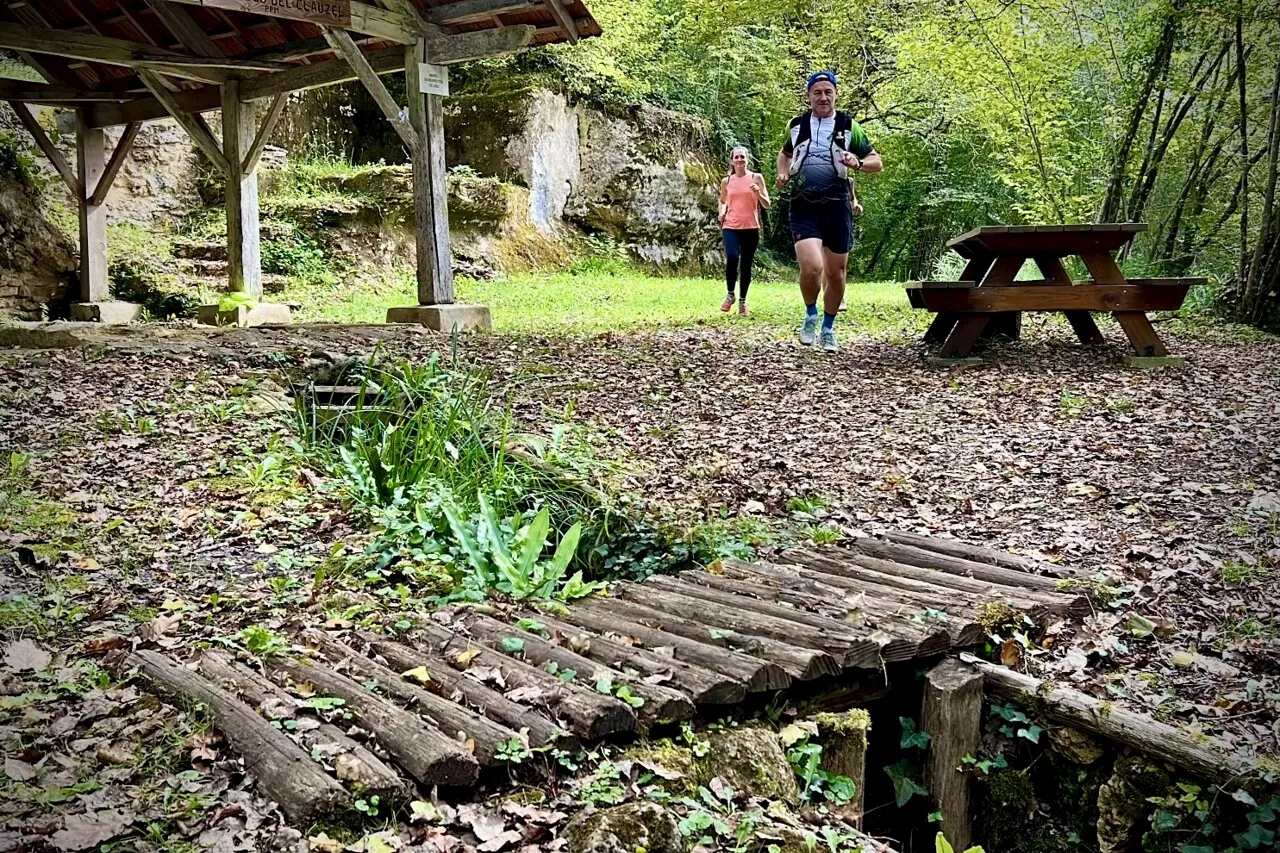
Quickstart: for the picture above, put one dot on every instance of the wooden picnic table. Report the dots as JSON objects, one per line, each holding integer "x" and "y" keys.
{"x": 986, "y": 299}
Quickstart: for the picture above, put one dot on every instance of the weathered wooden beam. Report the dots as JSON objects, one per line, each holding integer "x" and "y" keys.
{"x": 114, "y": 164}
{"x": 471, "y": 11}
{"x": 282, "y": 769}
{"x": 91, "y": 165}
{"x": 952, "y": 717}
{"x": 254, "y": 153}
{"x": 430, "y": 194}
{"x": 244, "y": 247}
{"x": 193, "y": 124}
{"x": 50, "y": 150}
{"x": 364, "y": 18}
{"x": 567, "y": 23}
{"x": 184, "y": 28}
{"x": 448, "y": 50}
{"x": 113, "y": 51}
{"x": 45, "y": 93}
{"x": 348, "y": 50}
{"x": 1201, "y": 756}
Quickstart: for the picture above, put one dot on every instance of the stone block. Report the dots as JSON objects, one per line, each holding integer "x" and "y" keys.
{"x": 1154, "y": 362}
{"x": 107, "y": 313}
{"x": 444, "y": 318}
{"x": 262, "y": 314}
{"x": 935, "y": 361}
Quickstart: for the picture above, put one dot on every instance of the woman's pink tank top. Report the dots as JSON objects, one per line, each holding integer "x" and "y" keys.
{"x": 744, "y": 206}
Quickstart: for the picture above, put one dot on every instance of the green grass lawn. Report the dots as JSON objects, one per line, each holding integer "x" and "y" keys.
{"x": 564, "y": 303}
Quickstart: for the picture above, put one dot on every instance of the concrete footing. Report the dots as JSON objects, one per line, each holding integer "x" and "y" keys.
{"x": 107, "y": 313}
{"x": 935, "y": 361}
{"x": 1146, "y": 362}
{"x": 262, "y": 314}
{"x": 444, "y": 318}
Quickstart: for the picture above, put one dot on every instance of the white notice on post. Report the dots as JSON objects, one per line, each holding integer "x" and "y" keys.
{"x": 433, "y": 79}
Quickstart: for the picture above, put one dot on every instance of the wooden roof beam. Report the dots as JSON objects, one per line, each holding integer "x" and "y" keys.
{"x": 473, "y": 11}
{"x": 184, "y": 28}
{"x": 566, "y": 21}
{"x": 44, "y": 93}
{"x": 132, "y": 54}
{"x": 371, "y": 20}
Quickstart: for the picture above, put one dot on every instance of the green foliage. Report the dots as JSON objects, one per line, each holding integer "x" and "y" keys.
{"x": 234, "y": 300}
{"x": 1194, "y": 820}
{"x": 261, "y": 641}
{"x": 911, "y": 738}
{"x": 1017, "y": 724}
{"x": 299, "y": 256}
{"x": 816, "y": 784}
{"x": 942, "y": 845}
{"x": 906, "y": 782}
{"x": 17, "y": 160}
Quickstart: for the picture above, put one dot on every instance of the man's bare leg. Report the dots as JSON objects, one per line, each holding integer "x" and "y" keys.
{"x": 835, "y": 268}
{"x": 809, "y": 255}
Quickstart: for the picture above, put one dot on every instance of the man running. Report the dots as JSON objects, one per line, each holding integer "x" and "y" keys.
{"x": 822, "y": 147}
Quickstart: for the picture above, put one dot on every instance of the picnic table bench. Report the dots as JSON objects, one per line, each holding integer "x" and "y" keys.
{"x": 986, "y": 299}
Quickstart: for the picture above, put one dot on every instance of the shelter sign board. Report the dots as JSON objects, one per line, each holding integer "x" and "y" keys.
{"x": 334, "y": 13}
{"x": 433, "y": 79}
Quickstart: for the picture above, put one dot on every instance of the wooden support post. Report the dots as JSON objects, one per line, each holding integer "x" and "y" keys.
{"x": 91, "y": 165}
{"x": 844, "y": 753}
{"x": 430, "y": 193}
{"x": 952, "y": 716}
{"x": 244, "y": 251}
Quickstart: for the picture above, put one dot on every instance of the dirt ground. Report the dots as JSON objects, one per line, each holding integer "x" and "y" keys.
{"x": 139, "y": 509}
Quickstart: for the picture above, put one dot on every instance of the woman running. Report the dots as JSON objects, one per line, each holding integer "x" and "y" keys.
{"x": 742, "y": 194}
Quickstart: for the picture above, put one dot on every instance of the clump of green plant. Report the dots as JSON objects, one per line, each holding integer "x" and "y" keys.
{"x": 816, "y": 784}
{"x": 507, "y": 559}
{"x": 1195, "y": 816}
{"x": 298, "y": 256}
{"x": 17, "y": 160}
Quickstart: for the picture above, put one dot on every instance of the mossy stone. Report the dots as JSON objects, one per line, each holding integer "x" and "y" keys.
{"x": 639, "y": 827}
{"x": 1123, "y": 802}
{"x": 751, "y": 760}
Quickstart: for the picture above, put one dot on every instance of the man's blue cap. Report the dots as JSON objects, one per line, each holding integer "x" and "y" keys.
{"x": 829, "y": 76}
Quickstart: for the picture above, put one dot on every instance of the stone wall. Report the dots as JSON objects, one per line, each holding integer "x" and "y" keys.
{"x": 37, "y": 263}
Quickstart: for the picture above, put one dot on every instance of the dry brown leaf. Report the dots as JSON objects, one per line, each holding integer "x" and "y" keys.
{"x": 26, "y": 656}
{"x": 86, "y": 831}
{"x": 19, "y": 771}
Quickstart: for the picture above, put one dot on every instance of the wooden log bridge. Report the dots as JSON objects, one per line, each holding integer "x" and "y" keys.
{"x": 471, "y": 688}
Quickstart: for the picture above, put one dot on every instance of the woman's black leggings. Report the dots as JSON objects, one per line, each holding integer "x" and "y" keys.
{"x": 740, "y": 246}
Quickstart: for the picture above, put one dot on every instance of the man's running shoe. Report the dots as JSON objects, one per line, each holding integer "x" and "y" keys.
{"x": 809, "y": 331}
{"x": 727, "y": 304}
{"x": 829, "y": 341}
{"x": 742, "y": 309}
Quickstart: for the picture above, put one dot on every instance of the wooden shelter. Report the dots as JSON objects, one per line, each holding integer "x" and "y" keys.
{"x": 124, "y": 62}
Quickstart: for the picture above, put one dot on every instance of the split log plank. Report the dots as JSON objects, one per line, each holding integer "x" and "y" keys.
{"x": 754, "y": 617}
{"x": 587, "y": 714}
{"x": 286, "y": 774}
{"x": 758, "y": 675}
{"x": 889, "y": 573}
{"x": 954, "y": 565}
{"x": 455, "y": 721}
{"x": 885, "y": 601}
{"x": 428, "y": 755}
{"x": 1197, "y": 754}
{"x": 540, "y": 730}
{"x": 661, "y": 704}
{"x": 799, "y": 663}
{"x": 977, "y": 554}
{"x": 352, "y": 762}
{"x": 899, "y": 641}
{"x": 952, "y": 716}
{"x": 703, "y": 686}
